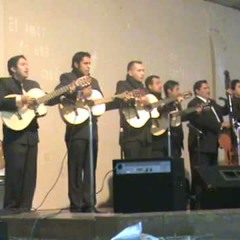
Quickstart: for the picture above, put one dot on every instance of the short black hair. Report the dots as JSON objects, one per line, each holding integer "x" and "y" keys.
{"x": 149, "y": 80}
{"x": 12, "y": 62}
{"x": 198, "y": 84}
{"x": 169, "y": 85}
{"x": 78, "y": 57}
{"x": 130, "y": 64}
{"x": 234, "y": 82}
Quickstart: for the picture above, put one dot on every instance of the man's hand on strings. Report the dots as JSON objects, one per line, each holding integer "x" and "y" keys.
{"x": 87, "y": 92}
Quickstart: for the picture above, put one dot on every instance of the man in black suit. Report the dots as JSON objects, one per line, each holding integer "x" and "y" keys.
{"x": 135, "y": 142}
{"x": 235, "y": 89}
{"x": 205, "y": 127}
{"x": 20, "y": 147}
{"x": 77, "y": 139}
{"x": 160, "y": 146}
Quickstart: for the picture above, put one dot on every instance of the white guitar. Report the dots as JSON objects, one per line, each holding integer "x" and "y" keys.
{"x": 21, "y": 118}
{"x": 78, "y": 112}
{"x": 138, "y": 116}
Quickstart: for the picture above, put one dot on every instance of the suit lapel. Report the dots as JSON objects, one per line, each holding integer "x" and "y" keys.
{"x": 13, "y": 86}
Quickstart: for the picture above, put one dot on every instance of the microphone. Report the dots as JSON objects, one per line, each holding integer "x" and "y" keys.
{"x": 189, "y": 125}
{"x": 65, "y": 100}
{"x": 62, "y": 98}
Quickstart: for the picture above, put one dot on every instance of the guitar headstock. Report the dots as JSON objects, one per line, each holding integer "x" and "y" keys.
{"x": 84, "y": 81}
{"x": 137, "y": 93}
{"x": 227, "y": 80}
{"x": 187, "y": 94}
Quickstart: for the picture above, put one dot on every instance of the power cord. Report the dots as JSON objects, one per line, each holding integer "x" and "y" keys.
{"x": 41, "y": 218}
{"x": 55, "y": 183}
{"x": 103, "y": 182}
{"x": 52, "y": 187}
{"x": 44, "y": 199}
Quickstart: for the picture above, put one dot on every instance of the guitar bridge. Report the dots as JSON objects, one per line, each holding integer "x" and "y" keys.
{"x": 75, "y": 111}
{"x": 19, "y": 116}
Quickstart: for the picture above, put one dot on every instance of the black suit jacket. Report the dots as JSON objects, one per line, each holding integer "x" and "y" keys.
{"x": 80, "y": 131}
{"x": 11, "y": 86}
{"x": 236, "y": 108}
{"x": 207, "y": 122}
{"x": 129, "y": 133}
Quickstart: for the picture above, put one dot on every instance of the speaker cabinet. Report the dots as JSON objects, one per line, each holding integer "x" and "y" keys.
{"x": 3, "y": 231}
{"x": 148, "y": 185}
{"x": 216, "y": 187}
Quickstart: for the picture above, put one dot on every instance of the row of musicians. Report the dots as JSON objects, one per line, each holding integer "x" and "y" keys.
{"x": 21, "y": 147}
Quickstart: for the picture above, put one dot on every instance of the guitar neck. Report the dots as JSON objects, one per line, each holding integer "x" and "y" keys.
{"x": 103, "y": 100}
{"x": 194, "y": 109}
{"x": 107, "y": 100}
{"x": 54, "y": 94}
{"x": 163, "y": 102}
{"x": 188, "y": 110}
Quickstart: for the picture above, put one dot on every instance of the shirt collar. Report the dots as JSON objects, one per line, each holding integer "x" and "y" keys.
{"x": 134, "y": 83}
{"x": 203, "y": 99}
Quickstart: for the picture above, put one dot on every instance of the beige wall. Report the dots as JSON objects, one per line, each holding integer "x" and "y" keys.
{"x": 172, "y": 37}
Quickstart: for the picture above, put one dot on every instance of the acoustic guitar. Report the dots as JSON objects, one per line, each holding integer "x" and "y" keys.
{"x": 20, "y": 119}
{"x": 160, "y": 125}
{"x": 138, "y": 115}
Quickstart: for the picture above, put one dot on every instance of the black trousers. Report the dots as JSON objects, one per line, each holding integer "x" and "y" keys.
{"x": 21, "y": 173}
{"x": 137, "y": 149}
{"x": 202, "y": 158}
{"x": 160, "y": 149}
{"x": 79, "y": 173}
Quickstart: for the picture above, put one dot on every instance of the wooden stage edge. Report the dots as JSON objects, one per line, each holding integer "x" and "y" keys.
{"x": 220, "y": 224}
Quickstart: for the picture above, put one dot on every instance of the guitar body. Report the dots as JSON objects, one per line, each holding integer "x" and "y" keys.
{"x": 152, "y": 99}
{"x": 22, "y": 118}
{"x": 159, "y": 126}
{"x": 137, "y": 117}
{"x": 78, "y": 113}
{"x": 100, "y": 109}
{"x": 72, "y": 114}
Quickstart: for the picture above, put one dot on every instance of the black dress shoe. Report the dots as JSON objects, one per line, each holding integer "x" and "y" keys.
{"x": 76, "y": 210}
{"x": 26, "y": 210}
{"x": 10, "y": 211}
{"x": 90, "y": 210}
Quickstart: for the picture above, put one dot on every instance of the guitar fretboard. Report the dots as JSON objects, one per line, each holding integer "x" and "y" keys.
{"x": 166, "y": 101}
{"x": 54, "y": 94}
{"x": 163, "y": 102}
{"x": 44, "y": 99}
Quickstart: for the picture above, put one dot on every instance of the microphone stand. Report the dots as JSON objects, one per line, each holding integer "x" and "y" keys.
{"x": 199, "y": 134}
{"x": 169, "y": 136}
{"x": 238, "y": 143}
{"x": 91, "y": 164}
{"x": 120, "y": 143}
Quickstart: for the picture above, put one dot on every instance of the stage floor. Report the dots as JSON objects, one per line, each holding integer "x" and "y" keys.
{"x": 217, "y": 224}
